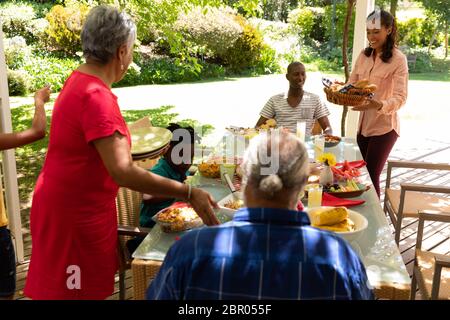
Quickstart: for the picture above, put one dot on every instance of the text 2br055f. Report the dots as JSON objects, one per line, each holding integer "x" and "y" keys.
{"x": 246, "y": 309}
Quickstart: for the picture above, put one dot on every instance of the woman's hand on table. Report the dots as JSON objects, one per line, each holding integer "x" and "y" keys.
{"x": 203, "y": 204}
{"x": 368, "y": 104}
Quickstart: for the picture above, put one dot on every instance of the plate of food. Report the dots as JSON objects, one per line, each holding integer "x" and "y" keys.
{"x": 178, "y": 217}
{"x": 209, "y": 169}
{"x": 247, "y": 133}
{"x": 331, "y": 141}
{"x": 346, "y": 223}
{"x": 232, "y": 202}
{"x": 350, "y": 189}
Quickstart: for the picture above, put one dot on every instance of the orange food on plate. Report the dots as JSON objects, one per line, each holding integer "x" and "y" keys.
{"x": 178, "y": 219}
{"x": 209, "y": 169}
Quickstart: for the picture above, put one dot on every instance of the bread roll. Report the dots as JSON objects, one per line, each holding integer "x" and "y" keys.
{"x": 328, "y": 216}
{"x": 360, "y": 84}
{"x": 271, "y": 122}
{"x": 371, "y": 87}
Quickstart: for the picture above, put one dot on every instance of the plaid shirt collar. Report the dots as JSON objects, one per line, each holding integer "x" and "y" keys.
{"x": 272, "y": 216}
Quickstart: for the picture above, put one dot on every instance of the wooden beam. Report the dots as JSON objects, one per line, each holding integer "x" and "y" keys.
{"x": 9, "y": 160}
{"x": 363, "y": 8}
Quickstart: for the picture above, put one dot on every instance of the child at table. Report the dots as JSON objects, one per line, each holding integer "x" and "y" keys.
{"x": 173, "y": 165}
{"x": 8, "y": 141}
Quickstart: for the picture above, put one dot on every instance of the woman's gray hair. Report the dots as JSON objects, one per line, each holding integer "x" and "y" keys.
{"x": 105, "y": 30}
{"x": 275, "y": 160}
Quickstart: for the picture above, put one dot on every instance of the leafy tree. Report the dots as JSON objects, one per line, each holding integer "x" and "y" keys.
{"x": 441, "y": 9}
{"x": 161, "y": 15}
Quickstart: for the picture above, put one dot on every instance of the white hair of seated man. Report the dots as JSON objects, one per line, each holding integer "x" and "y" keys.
{"x": 275, "y": 160}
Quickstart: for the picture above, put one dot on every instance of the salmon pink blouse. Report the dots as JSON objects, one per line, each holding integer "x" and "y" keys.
{"x": 392, "y": 90}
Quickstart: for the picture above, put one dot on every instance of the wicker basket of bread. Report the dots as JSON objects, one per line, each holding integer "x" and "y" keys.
{"x": 352, "y": 94}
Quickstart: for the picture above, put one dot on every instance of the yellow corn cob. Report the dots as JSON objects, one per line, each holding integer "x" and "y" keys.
{"x": 328, "y": 216}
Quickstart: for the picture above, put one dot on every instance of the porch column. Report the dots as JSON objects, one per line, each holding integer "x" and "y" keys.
{"x": 9, "y": 160}
{"x": 363, "y": 8}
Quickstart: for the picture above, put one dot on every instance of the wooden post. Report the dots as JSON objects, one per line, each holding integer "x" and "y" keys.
{"x": 348, "y": 18}
{"x": 9, "y": 160}
{"x": 363, "y": 8}
{"x": 446, "y": 39}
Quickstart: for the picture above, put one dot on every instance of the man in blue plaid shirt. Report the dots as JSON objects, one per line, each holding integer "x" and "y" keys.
{"x": 269, "y": 250}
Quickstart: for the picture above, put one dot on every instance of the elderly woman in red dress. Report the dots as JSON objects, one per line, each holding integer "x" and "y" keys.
{"x": 73, "y": 215}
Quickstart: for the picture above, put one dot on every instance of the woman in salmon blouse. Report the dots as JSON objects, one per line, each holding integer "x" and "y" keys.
{"x": 386, "y": 66}
{"x": 73, "y": 214}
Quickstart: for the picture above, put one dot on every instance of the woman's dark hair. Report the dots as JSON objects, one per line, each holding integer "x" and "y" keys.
{"x": 193, "y": 136}
{"x": 388, "y": 21}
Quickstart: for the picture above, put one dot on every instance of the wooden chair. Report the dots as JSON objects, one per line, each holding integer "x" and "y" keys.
{"x": 128, "y": 206}
{"x": 431, "y": 271}
{"x": 412, "y": 197}
{"x": 412, "y": 59}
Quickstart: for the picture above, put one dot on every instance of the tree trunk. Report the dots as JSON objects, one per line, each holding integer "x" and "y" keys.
{"x": 394, "y": 7}
{"x": 446, "y": 39}
{"x": 350, "y": 4}
{"x": 436, "y": 30}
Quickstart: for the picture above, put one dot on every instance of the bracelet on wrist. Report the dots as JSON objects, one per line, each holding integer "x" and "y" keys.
{"x": 189, "y": 192}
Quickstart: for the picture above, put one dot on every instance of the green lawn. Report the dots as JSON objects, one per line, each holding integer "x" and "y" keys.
{"x": 440, "y": 71}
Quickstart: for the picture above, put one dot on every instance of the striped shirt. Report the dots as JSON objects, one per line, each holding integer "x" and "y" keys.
{"x": 261, "y": 254}
{"x": 309, "y": 109}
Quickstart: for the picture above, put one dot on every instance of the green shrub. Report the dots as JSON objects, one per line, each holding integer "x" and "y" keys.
{"x": 302, "y": 21}
{"x": 272, "y": 31}
{"x": 65, "y": 25}
{"x": 423, "y": 59}
{"x": 417, "y": 32}
{"x": 18, "y": 82}
{"x": 166, "y": 70}
{"x": 37, "y": 28}
{"x": 16, "y": 52}
{"x": 267, "y": 62}
{"x": 308, "y": 54}
{"x": 16, "y": 19}
{"x": 281, "y": 39}
{"x": 276, "y": 9}
{"x": 245, "y": 52}
{"x": 334, "y": 34}
{"x": 50, "y": 70}
{"x": 211, "y": 32}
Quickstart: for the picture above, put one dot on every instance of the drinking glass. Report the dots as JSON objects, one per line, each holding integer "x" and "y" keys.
{"x": 315, "y": 196}
{"x": 301, "y": 130}
{"x": 229, "y": 168}
{"x": 319, "y": 146}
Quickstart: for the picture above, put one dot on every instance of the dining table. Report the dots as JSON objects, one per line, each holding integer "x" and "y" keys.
{"x": 386, "y": 271}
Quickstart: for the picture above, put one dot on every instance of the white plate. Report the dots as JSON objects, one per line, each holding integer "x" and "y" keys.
{"x": 360, "y": 225}
{"x": 231, "y": 197}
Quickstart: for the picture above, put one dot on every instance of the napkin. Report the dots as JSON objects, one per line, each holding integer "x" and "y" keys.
{"x": 332, "y": 201}
{"x": 353, "y": 164}
{"x": 179, "y": 204}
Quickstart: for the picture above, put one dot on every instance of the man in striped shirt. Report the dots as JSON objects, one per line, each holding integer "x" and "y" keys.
{"x": 269, "y": 250}
{"x": 296, "y": 105}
